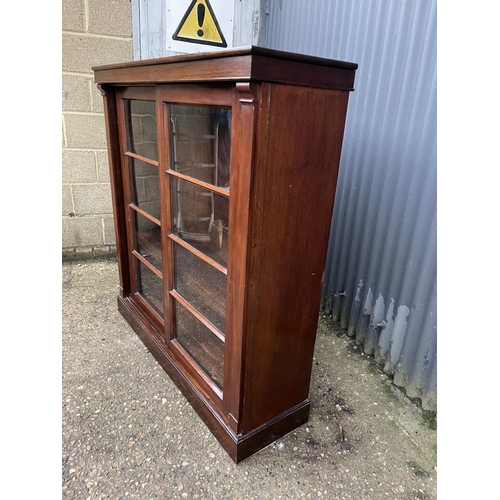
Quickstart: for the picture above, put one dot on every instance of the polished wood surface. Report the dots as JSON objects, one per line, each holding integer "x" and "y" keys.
{"x": 233, "y": 52}
{"x": 116, "y": 182}
{"x": 295, "y": 181}
{"x": 237, "y": 65}
{"x": 243, "y": 151}
{"x": 248, "y": 378}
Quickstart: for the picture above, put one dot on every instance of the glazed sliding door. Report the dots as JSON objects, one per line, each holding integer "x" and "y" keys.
{"x": 142, "y": 199}
{"x": 195, "y": 160}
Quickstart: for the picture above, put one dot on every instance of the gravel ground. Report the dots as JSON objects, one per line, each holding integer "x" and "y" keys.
{"x": 127, "y": 432}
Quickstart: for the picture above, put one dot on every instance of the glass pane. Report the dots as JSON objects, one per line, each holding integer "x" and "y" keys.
{"x": 150, "y": 286}
{"x": 200, "y": 217}
{"x": 200, "y": 143}
{"x": 202, "y": 345}
{"x": 143, "y": 134}
{"x": 145, "y": 187}
{"x": 203, "y": 286}
{"x": 148, "y": 240}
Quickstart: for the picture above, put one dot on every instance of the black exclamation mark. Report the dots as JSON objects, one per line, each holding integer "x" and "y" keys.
{"x": 201, "y": 17}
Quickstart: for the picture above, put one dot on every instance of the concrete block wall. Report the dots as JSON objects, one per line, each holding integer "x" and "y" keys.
{"x": 94, "y": 32}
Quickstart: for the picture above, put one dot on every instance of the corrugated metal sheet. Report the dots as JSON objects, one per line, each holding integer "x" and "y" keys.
{"x": 380, "y": 279}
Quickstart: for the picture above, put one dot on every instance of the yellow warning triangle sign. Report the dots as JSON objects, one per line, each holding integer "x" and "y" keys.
{"x": 199, "y": 25}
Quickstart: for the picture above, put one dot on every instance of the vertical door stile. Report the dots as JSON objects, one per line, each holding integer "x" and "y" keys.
{"x": 124, "y": 132}
{"x": 167, "y": 245}
{"x": 242, "y": 141}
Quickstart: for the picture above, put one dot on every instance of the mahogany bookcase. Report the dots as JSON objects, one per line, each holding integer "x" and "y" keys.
{"x": 223, "y": 171}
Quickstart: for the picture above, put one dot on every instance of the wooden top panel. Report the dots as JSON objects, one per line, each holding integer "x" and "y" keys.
{"x": 242, "y": 64}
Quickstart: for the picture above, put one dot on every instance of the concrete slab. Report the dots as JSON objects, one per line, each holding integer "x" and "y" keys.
{"x": 127, "y": 432}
